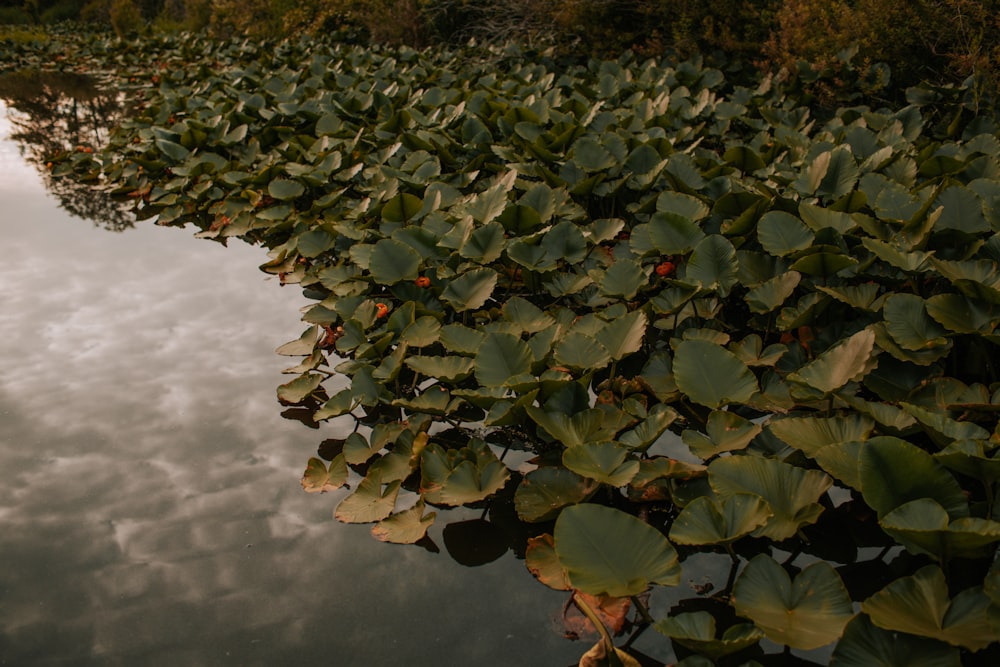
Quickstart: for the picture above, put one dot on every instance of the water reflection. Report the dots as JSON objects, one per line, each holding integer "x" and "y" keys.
{"x": 150, "y": 503}
{"x": 56, "y": 112}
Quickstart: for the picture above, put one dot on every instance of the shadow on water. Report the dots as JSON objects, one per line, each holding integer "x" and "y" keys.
{"x": 53, "y": 113}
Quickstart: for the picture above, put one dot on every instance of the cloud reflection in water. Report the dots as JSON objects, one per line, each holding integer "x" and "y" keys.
{"x": 149, "y": 500}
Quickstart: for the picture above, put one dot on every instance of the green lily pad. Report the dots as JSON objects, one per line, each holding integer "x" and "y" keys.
{"x": 724, "y": 432}
{"x": 696, "y": 631}
{"x": 394, "y": 261}
{"x": 284, "y": 189}
{"x": 810, "y": 434}
{"x": 920, "y": 605}
{"x": 895, "y": 472}
{"x": 541, "y": 560}
{"x": 713, "y": 264}
{"x": 457, "y": 477}
{"x": 500, "y": 357}
{"x": 318, "y": 479}
{"x": 546, "y": 490}
{"x": 589, "y": 541}
{"x": 471, "y": 289}
{"x": 706, "y": 520}
{"x": 923, "y": 527}
{"x": 369, "y": 502}
{"x": 782, "y": 233}
{"x": 839, "y": 364}
{"x": 909, "y": 324}
{"x": 791, "y": 492}
{"x": 806, "y": 613}
{"x": 300, "y": 388}
{"x": 404, "y": 527}
{"x": 711, "y": 375}
{"x": 604, "y": 462}
{"x": 864, "y": 644}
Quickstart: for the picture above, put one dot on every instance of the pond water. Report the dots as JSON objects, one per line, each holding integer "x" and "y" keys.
{"x": 150, "y": 505}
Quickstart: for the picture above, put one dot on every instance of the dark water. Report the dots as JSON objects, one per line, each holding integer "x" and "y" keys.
{"x": 150, "y": 506}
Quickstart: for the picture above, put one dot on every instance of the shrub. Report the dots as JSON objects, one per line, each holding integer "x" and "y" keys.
{"x": 126, "y": 19}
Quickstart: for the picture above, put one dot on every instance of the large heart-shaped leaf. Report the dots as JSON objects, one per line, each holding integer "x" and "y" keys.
{"x": 923, "y": 527}
{"x": 545, "y": 491}
{"x": 591, "y": 545}
{"x": 806, "y": 613}
{"x": 404, "y": 527}
{"x": 696, "y": 631}
{"x": 711, "y": 375}
{"x": 864, "y": 644}
{"x": 841, "y": 363}
{"x": 791, "y": 492}
{"x": 500, "y": 357}
{"x": 724, "y": 432}
{"x": 393, "y": 261}
{"x": 604, "y": 462}
{"x": 920, "y": 605}
{"x": 457, "y": 477}
{"x": 706, "y": 520}
{"x": 894, "y": 472}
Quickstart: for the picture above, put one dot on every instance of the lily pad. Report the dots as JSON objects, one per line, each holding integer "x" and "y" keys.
{"x": 404, "y": 527}
{"x": 588, "y": 542}
{"x": 706, "y": 520}
{"x": 697, "y": 631}
{"x": 806, "y": 613}
{"x": 546, "y": 490}
{"x": 711, "y": 375}
{"x": 864, "y": 644}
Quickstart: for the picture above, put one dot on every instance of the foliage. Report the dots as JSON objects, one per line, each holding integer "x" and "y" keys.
{"x": 703, "y": 314}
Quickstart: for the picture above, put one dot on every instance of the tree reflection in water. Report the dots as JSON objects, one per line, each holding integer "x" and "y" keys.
{"x": 55, "y": 112}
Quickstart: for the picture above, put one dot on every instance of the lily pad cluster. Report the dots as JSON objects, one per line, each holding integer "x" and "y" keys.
{"x": 712, "y": 321}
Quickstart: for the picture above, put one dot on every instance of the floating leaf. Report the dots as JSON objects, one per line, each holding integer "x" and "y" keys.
{"x": 402, "y": 208}
{"x": 909, "y": 324}
{"x": 768, "y": 295}
{"x": 369, "y": 502}
{"x": 711, "y": 375}
{"x": 839, "y": 364}
{"x": 724, "y": 432}
{"x": 501, "y": 357}
{"x": 923, "y": 527}
{"x": 545, "y": 491}
{"x": 895, "y": 472}
{"x": 604, "y": 462}
{"x": 864, "y": 644}
{"x": 706, "y": 520}
{"x": 791, "y": 492}
{"x": 806, "y": 613}
{"x": 580, "y": 351}
{"x": 457, "y": 477}
{"x": 300, "y": 388}
{"x": 394, "y": 261}
{"x": 318, "y": 479}
{"x": 920, "y": 605}
{"x": 404, "y": 527}
{"x": 471, "y": 289}
{"x": 696, "y": 631}
{"x": 284, "y": 189}
{"x": 541, "y": 560}
{"x": 713, "y": 264}
{"x": 588, "y": 541}
{"x": 810, "y": 434}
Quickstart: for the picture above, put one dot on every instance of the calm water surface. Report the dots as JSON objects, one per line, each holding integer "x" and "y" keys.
{"x": 150, "y": 506}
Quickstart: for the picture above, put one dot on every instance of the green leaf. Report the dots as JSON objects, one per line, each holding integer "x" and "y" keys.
{"x": 284, "y": 189}
{"x": 865, "y": 645}
{"x": 470, "y": 290}
{"x": 909, "y": 325}
{"x": 919, "y": 605}
{"x": 502, "y": 356}
{"x": 713, "y": 264}
{"x": 696, "y": 631}
{"x": 846, "y": 361}
{"x": 541, "y": 560}
{"x": 393, "y": 261}
{"x": 457, "y": 477}
{"x": 673, "y": 234}
{"x": 589, "y": 541}
{"x": 791, "y": 492}
{"x": 806, "y": 613}
{"x": 622, "y": 279}
{"x": 303, "y": 346}
{"x": 706, "y": 520}
{"x": 711, "y": 375}
{"x": 369, "y": 502}
{"x": 724, "y": 432}
{"x": 582, "y": 352}
{"x": 782, "y": 233}
{"x": 300, "y": 388}
{"x": 682, "y": 205}
{"x": 767, "y": 296}
{"x": 489, "y": 204}
{"x": 449, "y": 368}
{"x": 624, "y": 335}
{"x": 546, "y": 490}
{"x": 810, "y": 434}
{"x": 591, "y": 156}
{"x": 923, "y": 527}
{"x": 406, "y": 527}
{"x": 894, "y": 472}
{"x": 604, "y": 462}
{"x": 318, "y": 479}
{"x": 402, "y": 208}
